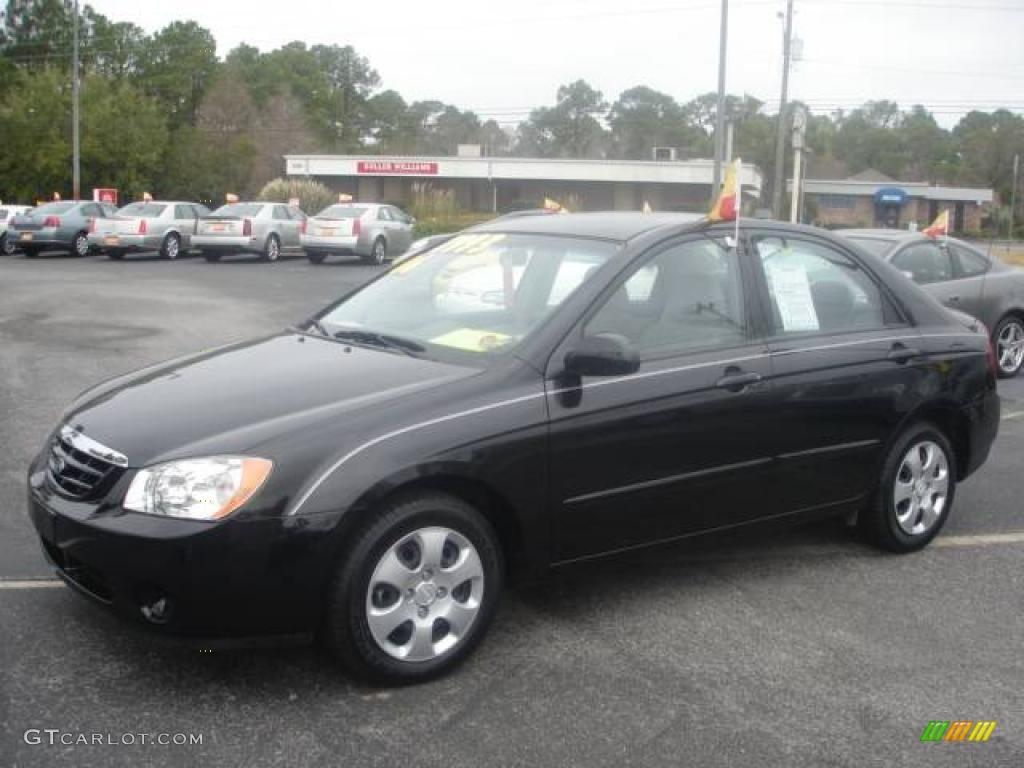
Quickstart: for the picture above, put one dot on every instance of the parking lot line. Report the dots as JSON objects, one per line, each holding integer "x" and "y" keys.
{"x": 980, "y": 539}
{"x": 1012, "y": 415}
{"x": 30, "y": 583}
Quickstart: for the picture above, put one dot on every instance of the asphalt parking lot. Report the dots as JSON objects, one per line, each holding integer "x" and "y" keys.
{"x": 796, "y": 647}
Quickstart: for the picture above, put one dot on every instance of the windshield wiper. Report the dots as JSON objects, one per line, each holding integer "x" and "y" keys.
{"x": 314, "y": 323}
{"x": 386, "y": 340}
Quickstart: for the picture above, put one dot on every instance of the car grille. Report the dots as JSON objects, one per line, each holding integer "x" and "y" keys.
{"x": 81, "y": 468}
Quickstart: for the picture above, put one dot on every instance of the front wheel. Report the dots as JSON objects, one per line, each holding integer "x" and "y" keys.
{"x": 1008, "y": 340}
{"x": 211, "y": 256}
{"x": 115, "y": 255}
{"x": 915, "y": 494}
{"x": 415, "y": 591}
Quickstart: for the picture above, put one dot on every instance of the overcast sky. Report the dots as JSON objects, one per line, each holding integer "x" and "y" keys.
{"x": 502, "y": 58}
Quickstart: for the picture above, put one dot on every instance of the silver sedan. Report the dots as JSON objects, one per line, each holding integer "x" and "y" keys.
{"x": 961, "y": 277}
{"x": 166, "y": 227}
{"x": 372, "y": 231}
{"x": 266, "y": 229}
{"x": 58, "y": 226}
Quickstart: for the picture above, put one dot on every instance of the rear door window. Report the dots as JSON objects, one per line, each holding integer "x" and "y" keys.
{"x": 814, "y": 288}
{"x": 969, "y": 263}
{"x": 925, "y": 262}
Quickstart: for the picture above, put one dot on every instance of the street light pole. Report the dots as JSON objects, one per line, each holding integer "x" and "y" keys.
{"x": 720, "y": 110}
{"x": 1013, "y": 194}
{"x": 780, "y": 131}
{"x": 76, "y": 178}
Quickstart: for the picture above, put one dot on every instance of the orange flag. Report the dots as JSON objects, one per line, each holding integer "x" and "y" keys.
{"x": 727, "y": 205}
{"x": 940, "y": 226}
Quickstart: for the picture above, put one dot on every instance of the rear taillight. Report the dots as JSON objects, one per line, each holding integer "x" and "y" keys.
{"x": 52, "y": 221}
{"x": 357, "y": 226}
{"x": 143, "y": 227}
{"x": 247, "y": 227}
{"x": 91, "y": 226}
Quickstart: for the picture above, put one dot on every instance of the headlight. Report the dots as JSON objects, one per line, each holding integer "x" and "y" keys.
{"x": 198, "y": 489}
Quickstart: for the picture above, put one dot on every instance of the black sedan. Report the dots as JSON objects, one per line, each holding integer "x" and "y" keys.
{"x": 961, "y": 277}
{"x": 531, "y": 393}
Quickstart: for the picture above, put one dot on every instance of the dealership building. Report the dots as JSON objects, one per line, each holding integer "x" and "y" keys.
{"x": 871, "y": 199}
{"x": 508, "y": 183}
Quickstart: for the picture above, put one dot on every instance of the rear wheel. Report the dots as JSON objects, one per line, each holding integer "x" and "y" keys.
{"x": 316, "y": 257}
{"x": 211, "y": 256}
{"x": 1008, "y": 340}
{"x": 115, "y": 255}
{"x": 80, "y": 244}
{"x": 916, "y": 492}
{"x": 30, "y": 251}
{"x": 272, "y": 249}
{"x": 171, "y": 246}
{"x": 6, "y": 245}
{"x": 415, "y": 591}
{"x": 378, "y": 252}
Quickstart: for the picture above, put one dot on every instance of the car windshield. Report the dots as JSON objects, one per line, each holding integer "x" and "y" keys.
{"x": 142, "y": 209}
{"x": 53, "y": 208}
{"x": 341, "y": 212}
{"x": 874, "y": 245}
{"x": 476, "y": 295}
{"x": 238, "y": 209}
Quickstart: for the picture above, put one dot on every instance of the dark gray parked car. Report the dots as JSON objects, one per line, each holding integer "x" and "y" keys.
{"x": 58, "y": 226}
{"x": 961, "y": 277}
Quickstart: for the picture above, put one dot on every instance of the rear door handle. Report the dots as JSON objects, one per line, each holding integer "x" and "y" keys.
{"x": 902, "y": 354}
{"x": 737, "y": 382}
{"x": 954, "y": 299}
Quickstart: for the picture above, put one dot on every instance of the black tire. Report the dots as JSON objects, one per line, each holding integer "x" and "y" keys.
{"x": 1009, "y": 324}
{"x": 378, "y": 253}
{"x": 30, "y": 251}
{"x": 211, "y": 256}
{"x": 80, "y": 245}
{"x": 346, "y": 631}
{"x": 316, "y": 257}
{"x": 272, "y": 249}
{"x": 7, "y": 247}
{"x": 115, "y": 255}
{"x": 880, "y": 521}
{"x": 170, "y": 248}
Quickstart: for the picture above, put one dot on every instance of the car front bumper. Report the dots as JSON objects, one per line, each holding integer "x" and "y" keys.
{"x": 236, "y": 576}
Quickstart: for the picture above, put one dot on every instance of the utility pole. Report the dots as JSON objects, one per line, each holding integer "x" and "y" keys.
{"x": 799, "y": 126}
{"x": 76, "y": 175}
{"x": 780, "y": 131}
{"x": 1013, "y": 194}
{"x": 720, "y": 110}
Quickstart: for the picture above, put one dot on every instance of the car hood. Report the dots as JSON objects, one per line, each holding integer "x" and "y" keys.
{"x": 234, "y": 398}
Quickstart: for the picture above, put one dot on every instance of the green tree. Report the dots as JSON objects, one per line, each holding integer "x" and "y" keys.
{"x": 177, "y": 67}
{"x": 987, "y": 143}
{"x": 571, "y": 128}
{"x": 643, "y": 118}
{"x": 36, "y": 138}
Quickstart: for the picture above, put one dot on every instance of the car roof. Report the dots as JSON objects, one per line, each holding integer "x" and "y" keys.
{"x": 609, "y": 225}
{"x": 879, "y": 233}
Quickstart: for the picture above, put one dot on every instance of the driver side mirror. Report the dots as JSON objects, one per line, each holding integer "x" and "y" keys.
{"x": 606, "y": 354}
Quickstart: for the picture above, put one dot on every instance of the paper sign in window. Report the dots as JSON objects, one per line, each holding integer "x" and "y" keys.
{"x": 792, "y": 292}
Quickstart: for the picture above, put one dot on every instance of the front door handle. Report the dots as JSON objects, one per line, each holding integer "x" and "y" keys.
{"x": 902, "y": 354}
{"x": 736, "y": 381}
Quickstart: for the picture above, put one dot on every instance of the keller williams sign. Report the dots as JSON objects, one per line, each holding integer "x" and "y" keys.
{"x": 396, "y": 167}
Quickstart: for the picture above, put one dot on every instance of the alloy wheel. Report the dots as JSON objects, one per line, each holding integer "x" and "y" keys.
{"x": 921, "y": 488}
{"x": 424, "y": 594}
{"x": 81, "y": 245}
{"x": 378, "y": 252}
{"x": 1010, "y": 347}
{"x": 273, "y": 249}
{"x": 172, "y": 247}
